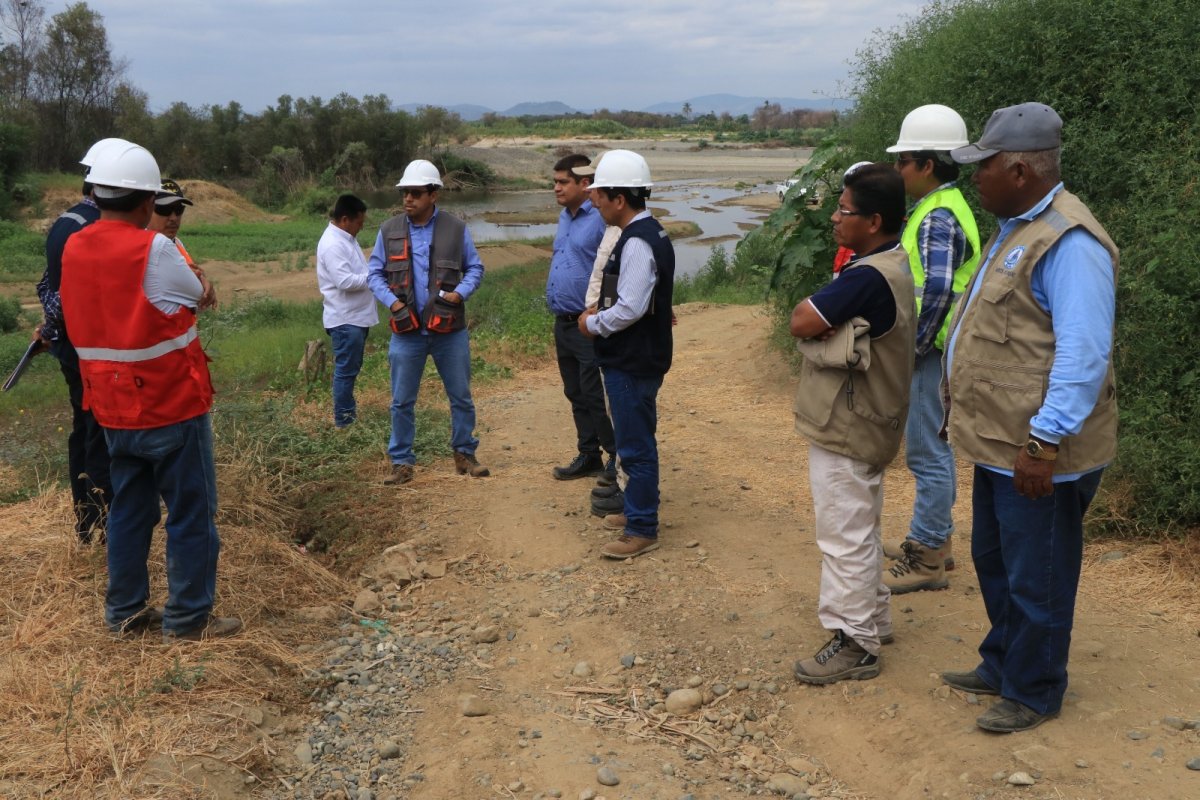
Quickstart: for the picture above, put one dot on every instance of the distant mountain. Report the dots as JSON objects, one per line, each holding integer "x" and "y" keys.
{"x": 549, "y": 109}
{"x": 467, "y": 111}
{"x": 738, "y": 105}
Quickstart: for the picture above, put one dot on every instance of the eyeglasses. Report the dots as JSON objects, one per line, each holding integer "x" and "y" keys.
{"x": 901, "y": 161}
{"x": 167, "y": 211}
{"x": 845, "y": 212}
{"x": 417, "y": 193}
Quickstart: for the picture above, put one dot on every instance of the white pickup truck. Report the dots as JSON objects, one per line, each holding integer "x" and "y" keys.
{"x": 781, "y": 190}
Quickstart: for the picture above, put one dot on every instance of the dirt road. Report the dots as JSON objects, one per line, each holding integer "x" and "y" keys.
{"x": 727, "y": 604}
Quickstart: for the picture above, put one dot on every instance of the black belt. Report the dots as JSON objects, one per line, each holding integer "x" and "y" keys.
{"x": 569, "y": 317}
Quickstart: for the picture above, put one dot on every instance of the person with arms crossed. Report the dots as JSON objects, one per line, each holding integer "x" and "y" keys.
{"x": 1032, "y": 404}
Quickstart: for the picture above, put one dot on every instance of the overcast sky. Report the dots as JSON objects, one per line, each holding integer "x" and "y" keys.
{"x": 615, "y": 54}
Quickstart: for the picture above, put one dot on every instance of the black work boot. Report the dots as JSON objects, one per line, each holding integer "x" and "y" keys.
{"x": 603, "y": 506}
{"x": 585, "y": 465}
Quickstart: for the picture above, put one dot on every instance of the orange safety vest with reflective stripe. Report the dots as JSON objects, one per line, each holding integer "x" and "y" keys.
{"x": 186, "y": 256}
{"x": 141, "y": 367}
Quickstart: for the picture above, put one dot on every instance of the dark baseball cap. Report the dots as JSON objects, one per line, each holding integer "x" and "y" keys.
{"x": 170, "y": 194}
{"x": 1024, "y": 128}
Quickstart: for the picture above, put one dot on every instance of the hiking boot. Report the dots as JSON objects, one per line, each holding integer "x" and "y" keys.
{"x": 585, "y": 465}
{"x": 919, "y": 568}
{"x": 840, "y": 659}
{"x": 401, "y": 473}
{"x": 609, "y": 476}
{"x": 139, "y": 623}
{"x": 215, "y": 627}
{"x": 615, "y": 522}
{"x": 968, "y": 682}
{"x": 628, "y": 547}
{"x": 1009, "y": 716}
{"x": 894, "y": 551}
{"x": 465, "y": 464}
{"x": 601, "y": 492}
{"x": 887, "y": 638}
{"x": 603, "y": 506}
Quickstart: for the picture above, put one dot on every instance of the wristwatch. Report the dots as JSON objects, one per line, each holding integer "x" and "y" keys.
{"x": 1036, "y": 448}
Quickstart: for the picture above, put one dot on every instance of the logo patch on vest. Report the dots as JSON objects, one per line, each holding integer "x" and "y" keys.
{"x": 1014, "y": 255}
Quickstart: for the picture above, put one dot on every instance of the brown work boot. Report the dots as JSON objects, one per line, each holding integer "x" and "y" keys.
{"x": 919, "y": 568}
{"x": 401, "y": 473}
{"x": 139, "y": 623}
{"x": 894, "y": 551}
{"x": 215, "y": 627}
{"x": 840, "y": 659}
{"x": 628, "y": 547}
{"x": 465, "y": 464}
{"x": 615, "y": 522}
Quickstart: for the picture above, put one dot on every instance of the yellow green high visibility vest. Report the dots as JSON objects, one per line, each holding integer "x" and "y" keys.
{"x": 952, "y": 200}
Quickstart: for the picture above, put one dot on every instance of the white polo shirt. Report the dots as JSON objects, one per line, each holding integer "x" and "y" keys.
{"x": 342, "y": 279}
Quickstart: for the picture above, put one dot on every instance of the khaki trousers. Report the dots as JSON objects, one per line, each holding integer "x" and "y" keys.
{"x": 848, "y": 501}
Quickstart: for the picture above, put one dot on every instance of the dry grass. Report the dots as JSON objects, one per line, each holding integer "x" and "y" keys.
{"x": 1157, "y": 578}
{"x": 80, "y": 711}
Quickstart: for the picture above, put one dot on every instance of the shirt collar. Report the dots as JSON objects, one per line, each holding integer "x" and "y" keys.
{"x": 1038, "y": 207}
{"x": 345, "y": 234}
{"x": 428, "y": 222}
{"x": 87, "y": 201}
{"x": 883, "y": 248}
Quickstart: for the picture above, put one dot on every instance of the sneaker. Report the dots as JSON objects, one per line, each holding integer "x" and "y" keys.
{"x": 840, "y": 659}
{"x": 465, "y": 464}
{"x": 895, "y": 551}
{"x": 968, "y": 682}
{"x": 603, "y": 506}
{"x": 919, "y": 568}
{"x": 216, "y": 626}
{"x": 585, "y": 465}
{"x": 615, "y": 522}
{"x": 601, "y": 492}
{"x": 401, "y": 473}
{"x": 628, "y": 547}
{"x": 139, "y": 623}
{"x": 1009, "y": 716}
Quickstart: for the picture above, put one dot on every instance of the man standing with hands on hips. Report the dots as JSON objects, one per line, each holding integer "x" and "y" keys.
{"x": 632, "y": 329}
{"x": 1033, "y": 405}
{"x": 423, "y": 268}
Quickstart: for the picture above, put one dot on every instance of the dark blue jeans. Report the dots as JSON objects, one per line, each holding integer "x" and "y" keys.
{"x": 1028, "y": 555}
{"x": 348, "y": 343}
{"x": 174, "y": 462}
{"x": 633, "y": 401}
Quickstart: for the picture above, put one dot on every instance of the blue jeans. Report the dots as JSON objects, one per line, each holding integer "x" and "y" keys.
{"x": 1028, "y": 555}
{"x": 174, "y": 462}
{"x": 348, "y": 343}
{"x": 407, "y": 354}
{"x": 632, "y": 400}
{"x": 929, "y": 459}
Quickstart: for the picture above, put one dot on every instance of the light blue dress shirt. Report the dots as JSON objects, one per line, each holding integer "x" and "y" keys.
{"x": 575, "y": 246}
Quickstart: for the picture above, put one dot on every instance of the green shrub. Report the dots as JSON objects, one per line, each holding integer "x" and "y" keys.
{"x": 10, "y": 314}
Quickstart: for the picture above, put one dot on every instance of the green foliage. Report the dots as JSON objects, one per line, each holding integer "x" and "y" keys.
{"x": 510, "y": 309}
{"x": 254, "y": 241}
{"x": 742, "y": 279}
{"x": 14, "y": 161}
{"x": 10, "y": 314}
{"x": 466, "y": 173}
{"x": 22, "y": 254}
{"x": 1121, "y": 73}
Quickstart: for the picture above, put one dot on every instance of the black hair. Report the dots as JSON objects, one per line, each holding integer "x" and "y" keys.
{"x": 125, "y": 204}
{"x": 945, "y": 169}
{"x": 568, "y": 163}
{"x": 879, "y": 189}
{"x": 347, "y": 205}
{"x": 635, "y": 197}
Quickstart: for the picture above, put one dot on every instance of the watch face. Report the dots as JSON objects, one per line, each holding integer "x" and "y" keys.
{"x": 1033, "y": 448}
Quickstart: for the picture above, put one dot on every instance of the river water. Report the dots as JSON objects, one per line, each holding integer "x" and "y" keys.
{"x": 696, "y": 201}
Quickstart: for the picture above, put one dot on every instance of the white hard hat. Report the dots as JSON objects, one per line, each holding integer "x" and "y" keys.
{"x": 124, "y": 169}
{"x": 622, "y": 169}
{"x": 855, "y": 167}
{"x": 420, "y": 173}
{"x": 98, "y": 149}
{"x": 932, "y": 127}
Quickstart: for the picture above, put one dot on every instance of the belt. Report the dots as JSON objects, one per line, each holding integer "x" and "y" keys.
{"x": 569, "y": 317}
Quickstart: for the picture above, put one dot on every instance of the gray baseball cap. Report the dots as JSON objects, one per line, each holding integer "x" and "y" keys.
{"x": 1016, "y": 129}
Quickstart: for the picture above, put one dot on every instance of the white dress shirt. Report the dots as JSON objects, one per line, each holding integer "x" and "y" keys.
{"x": 342, "y": 279}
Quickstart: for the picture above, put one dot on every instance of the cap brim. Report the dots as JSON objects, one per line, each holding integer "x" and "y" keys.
{"x": 585, "y": 171}
{"x": 971, "y": 154}
{"x": 171, "y": 199}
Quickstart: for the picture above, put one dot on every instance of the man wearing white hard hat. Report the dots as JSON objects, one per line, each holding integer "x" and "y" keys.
{"x": 146, "y": 380}
{"x": 942, "y": 242}
{"x": 87, "y": 452}
{"x": 632, "y": 332}
{"x": 423, "y": 269}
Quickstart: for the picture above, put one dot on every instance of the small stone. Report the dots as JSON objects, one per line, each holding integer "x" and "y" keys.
{"x": 434, "y": 569}
{"x": 787, "y": 784}
{"x": 472, "y": 706}
{"x": 1081, "y": 763}
{"x": 587, "y": 794}
{"x": 1194, "y": 764}
{"x": 1178, "y": 723}
{"x": 720, "y": 689}
{"x": 554, "y": 793}
{"x": 693, "y": 543}
{"x": 668, "y": 770}
{"x": 627, "y": 660}
{"x": 582, "y": 670}
{"x": 365, "y": 601}
{"x": 486, "y": 634}
{"x": 389, "y": 749}
{"x": 606, "y": 777}
{"x": 1137, "y": 736}
{"x": 1021, "y": 779}
{"x": 768, "y": 634}
{"x": 694, "y": 681}
{"x": 515, "y": 786}
{"x": 303, "y": 753}
{"x": 684, "y": 701}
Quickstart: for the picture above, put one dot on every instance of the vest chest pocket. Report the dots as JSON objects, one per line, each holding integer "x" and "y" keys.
{"x": 449, "y": 275}
{"x": 991, "y": 314}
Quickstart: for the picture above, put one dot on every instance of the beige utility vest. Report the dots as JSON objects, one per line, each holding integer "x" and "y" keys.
{"x": 1004, "y": 348}
{"x": 861, "y": 414}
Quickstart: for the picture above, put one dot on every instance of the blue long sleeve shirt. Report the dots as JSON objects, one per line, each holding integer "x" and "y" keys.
{"x": 422, "y": 238}
{"x": 575, "y": 246}
{"x": 1075, "y": 284}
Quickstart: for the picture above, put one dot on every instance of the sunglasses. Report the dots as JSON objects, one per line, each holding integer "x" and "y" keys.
{"x": 167, "y": 211}
{"x": 413, "y": 192}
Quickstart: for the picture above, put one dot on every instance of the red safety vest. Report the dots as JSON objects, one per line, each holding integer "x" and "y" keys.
{"x": 141, "y": 368}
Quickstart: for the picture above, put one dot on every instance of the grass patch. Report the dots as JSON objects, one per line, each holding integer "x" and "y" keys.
{"x": 22, "y": 254}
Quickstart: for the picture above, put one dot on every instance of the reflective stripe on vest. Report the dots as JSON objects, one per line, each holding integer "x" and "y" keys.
{"x": 143, "y": 354}
{"x": 71, "y": 215}
{"x": 952, "y": 200}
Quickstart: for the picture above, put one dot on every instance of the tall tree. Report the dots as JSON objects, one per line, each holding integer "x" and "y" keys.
{"x": 21, "y": 36}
